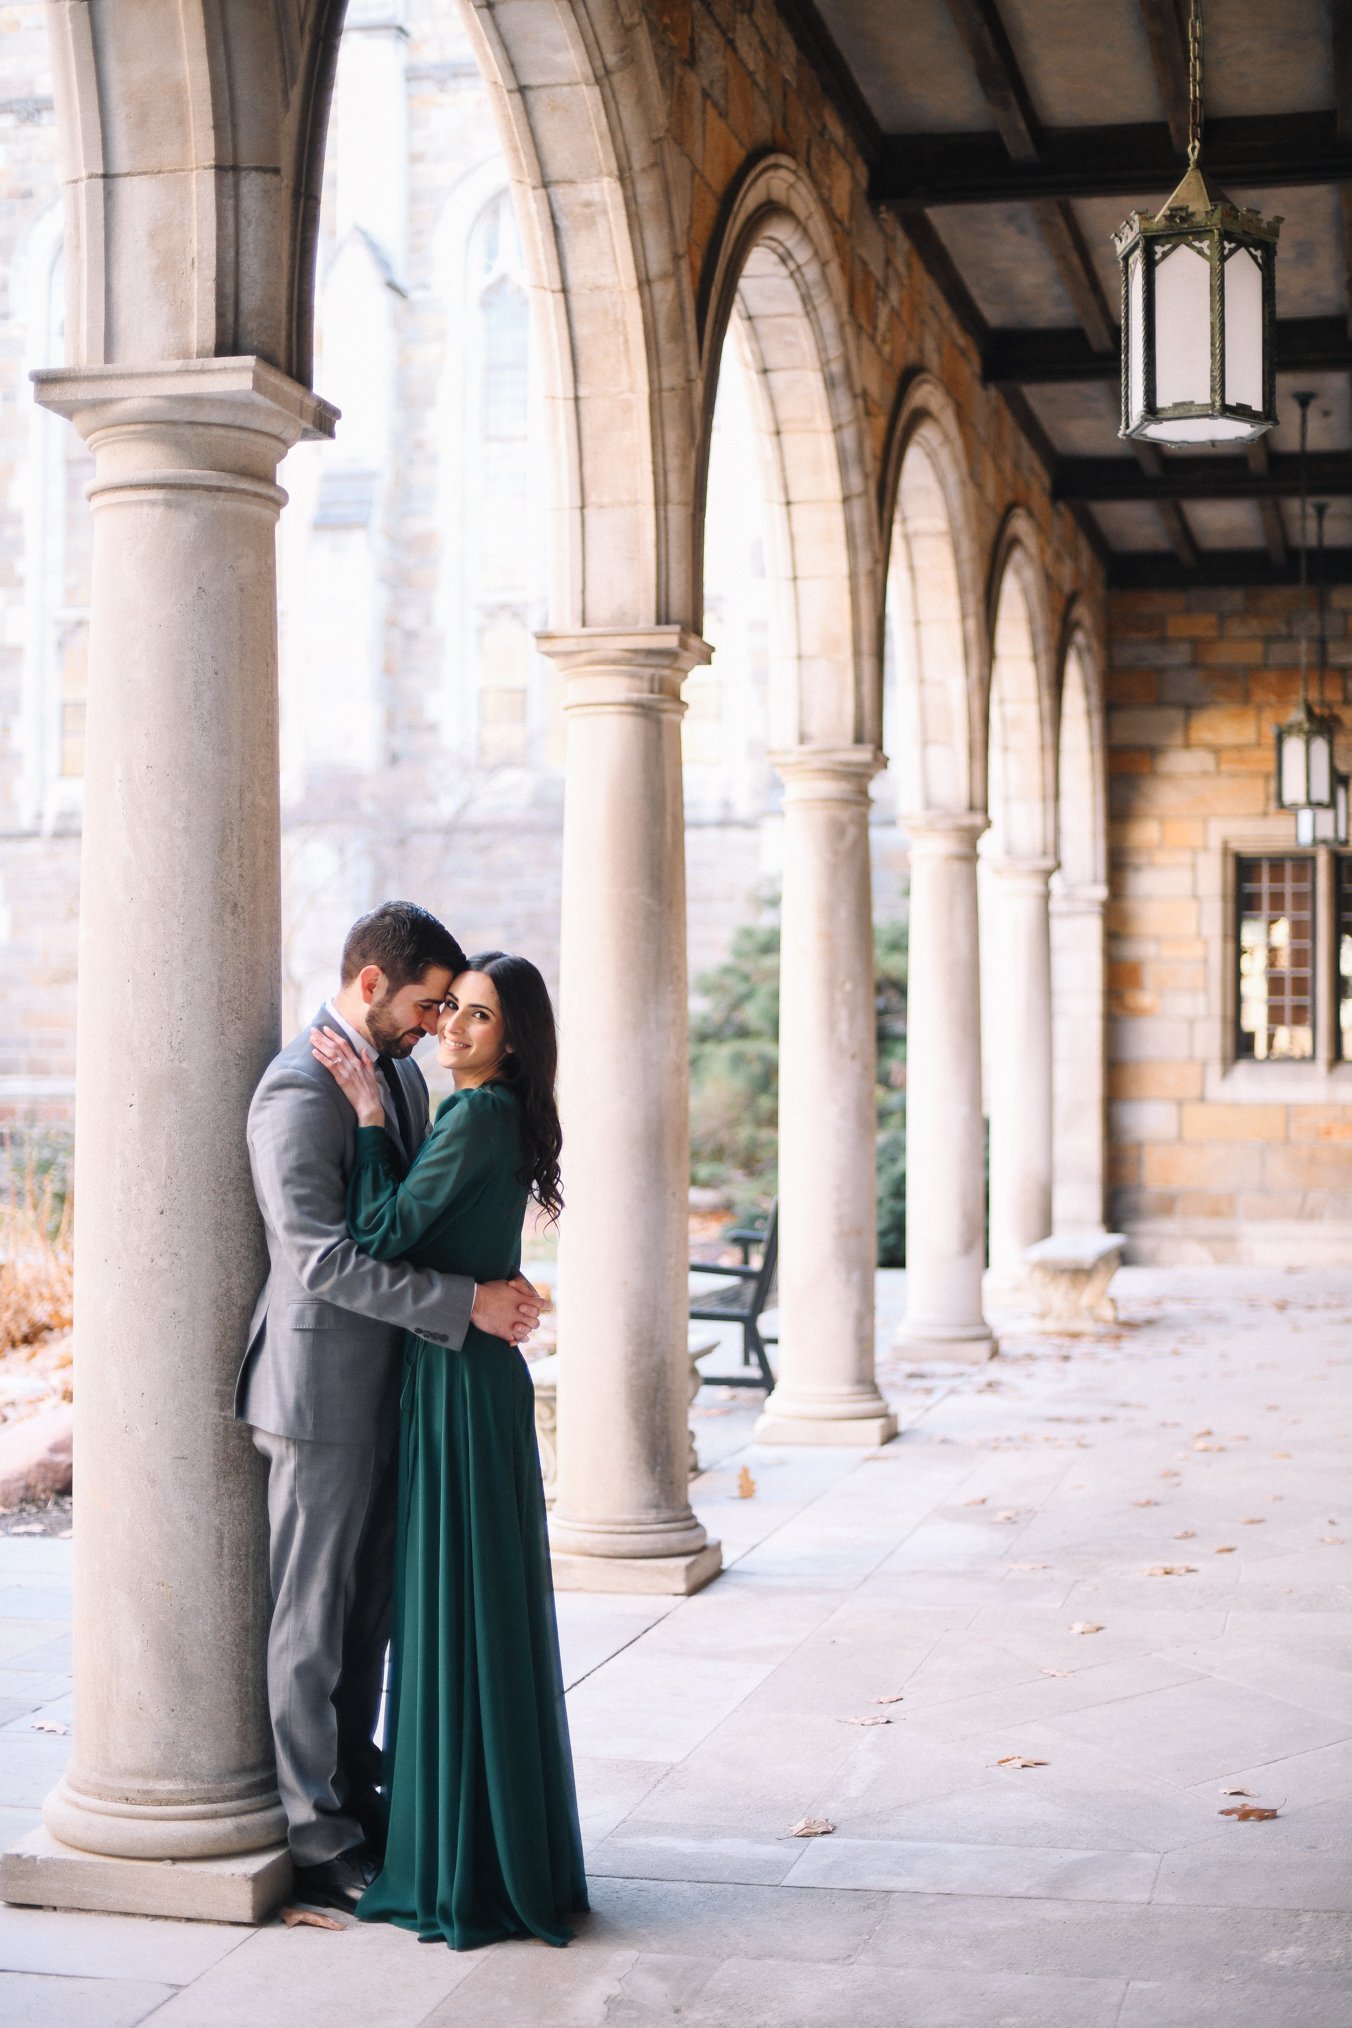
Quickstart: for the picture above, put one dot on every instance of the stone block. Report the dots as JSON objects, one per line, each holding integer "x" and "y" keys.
{"x": 1152, "y": 915}
{"x": 1307, "y": 1165}
{"x": 1214, "y": 1121}
{"x": 646, "y": 1576}
{"x": 1145, "y": 726}
{"x": 1181, "y": 1165}
{"x": 1143, "y": 1120}
{"x": 35, "y": 1456}
{"x": 42, "y": 1873}
{"x": 1155, "y": 1080}
{"x": 1322, "y": 1123}
{"x": 1223, "y": 725}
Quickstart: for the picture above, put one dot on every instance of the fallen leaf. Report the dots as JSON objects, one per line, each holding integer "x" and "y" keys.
{"x": 1145, "y": 1503}
{"x": 1086, "y": 1627}
{"x": 50, "y": 1725}
{"x": 1253, "y": 1521}
{"x": 1172, "y": 1570}
{"x": 1226, "y": 1549}
{"x": 1204, "y": 1432}
{"x": 1333, "y": 1541}
{"x": 866, "y": 1719}
{"x": 1249, "y": 1813}
{"x": 1235, "y": 1792}
{"x": 746, "y": 1485}
{"x": 1058, "y": 1672}
{"x": 1030, "y": 1566}
{"x": 980, "y": 1501}
{"x": 1186, "y": 1535}
{"x": 308, "y": 1918}
{"x": 1202, "y": 1445}
{"x": 887, "y": 1700}
{"x": 1282, "y": 1454}
{"x": 1019, "y": 1760}
{"x": 811, "y": 1827}
{"x": 1009, "y": 1514}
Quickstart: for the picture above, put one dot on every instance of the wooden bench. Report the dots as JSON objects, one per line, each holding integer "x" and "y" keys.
{"x": 1068, "y": 1277}
{"x": 749, "y": 1292}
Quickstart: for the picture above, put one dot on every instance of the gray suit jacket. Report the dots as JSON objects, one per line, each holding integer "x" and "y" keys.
{"x": 323, "y": 1355}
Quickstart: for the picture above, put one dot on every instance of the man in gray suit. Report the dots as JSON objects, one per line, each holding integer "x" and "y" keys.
{"x": 320, "y": 1387}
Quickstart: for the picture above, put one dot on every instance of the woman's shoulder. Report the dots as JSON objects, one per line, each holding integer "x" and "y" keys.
{"x": 477, "y": 1106}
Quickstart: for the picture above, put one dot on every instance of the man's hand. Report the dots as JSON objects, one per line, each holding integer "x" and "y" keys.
{"x": 509, "y": 1310}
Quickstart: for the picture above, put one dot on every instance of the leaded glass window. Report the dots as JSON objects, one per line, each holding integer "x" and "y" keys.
{"x": 1276, "y": 907}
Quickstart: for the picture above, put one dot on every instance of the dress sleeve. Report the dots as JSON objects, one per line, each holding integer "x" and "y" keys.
{"x": 387, "y": 1216}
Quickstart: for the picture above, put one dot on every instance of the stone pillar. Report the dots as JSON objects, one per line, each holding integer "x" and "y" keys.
{"x": 168, "y": 1804}
{"x": 945, "y": 1131}
{"x": 828, "y": 1237}
{"x": 1018, "y": 987}
{"x": 1079, "y": 1078}
{"x": 622, "y": 1518}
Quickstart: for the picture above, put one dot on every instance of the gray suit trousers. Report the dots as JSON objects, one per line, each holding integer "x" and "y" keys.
{"x": 332, "y": 1514}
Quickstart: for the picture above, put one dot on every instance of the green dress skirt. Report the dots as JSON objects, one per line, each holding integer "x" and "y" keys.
{"x": 483, "y": 1830}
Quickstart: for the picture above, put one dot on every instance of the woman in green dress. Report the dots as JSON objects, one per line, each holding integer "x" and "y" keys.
{"x": 483, "y": 1830}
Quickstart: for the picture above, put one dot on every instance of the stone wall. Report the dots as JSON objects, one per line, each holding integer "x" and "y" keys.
{"x": 1210, "y": 1158}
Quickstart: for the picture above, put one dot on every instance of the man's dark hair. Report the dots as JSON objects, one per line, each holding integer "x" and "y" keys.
{"x": 404, "y": 940}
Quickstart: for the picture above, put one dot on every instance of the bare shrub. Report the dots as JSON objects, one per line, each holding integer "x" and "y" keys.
{"x": 36, "y": 1254}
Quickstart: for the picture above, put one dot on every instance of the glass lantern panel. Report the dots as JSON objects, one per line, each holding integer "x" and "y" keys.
{"x": 1291, "y": 789}
{"x": 1320, "y": 788}
{"x": 1182, "y": 325}
{"x": 1244, "y": 329}
{"x": 1134, "y": 337}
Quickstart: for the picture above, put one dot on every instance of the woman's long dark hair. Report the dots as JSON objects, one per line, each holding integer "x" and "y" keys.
{"x": 530, "y": 1069}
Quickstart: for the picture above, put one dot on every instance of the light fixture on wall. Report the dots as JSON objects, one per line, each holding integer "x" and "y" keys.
{"x": 1327, "y": 824}
{"x": 1199, "y": 306}
{"x": 1306, "y": 773}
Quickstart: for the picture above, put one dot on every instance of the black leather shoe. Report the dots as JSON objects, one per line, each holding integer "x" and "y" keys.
{"x": 336, "y": 1883}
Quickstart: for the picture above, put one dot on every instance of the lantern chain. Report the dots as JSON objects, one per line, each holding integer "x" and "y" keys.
{"x": 1304, "y": 400}
{"x": 1194, "y": 82}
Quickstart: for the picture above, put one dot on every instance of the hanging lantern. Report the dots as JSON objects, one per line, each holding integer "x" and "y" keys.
{"x": 1307, "y": 780}
{"x": 1325, "y": 826}
{"x": 1305, "y": 773}
{"x": 1199, "y": 307}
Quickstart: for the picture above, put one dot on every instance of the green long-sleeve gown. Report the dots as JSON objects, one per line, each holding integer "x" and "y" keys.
{"x": 483, "y": 1834}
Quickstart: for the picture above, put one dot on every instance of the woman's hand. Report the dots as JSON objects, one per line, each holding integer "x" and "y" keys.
{"x": 356, "y": 1074}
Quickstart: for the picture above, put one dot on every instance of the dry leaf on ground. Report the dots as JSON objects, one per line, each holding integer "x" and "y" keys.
{"x": 1020, "y": 1760}
{"x": 309, "y": 1918}
{"x": 867, "y": 1718}
{"x": 1333, "y": 1541}
{"x": 1186, "y": 1535}
{"x": 1058, "y": 1672}
{"x": 50, "y": 1725}
{"x": 1253, "y": 1521}
{"x": 1145, "y": 1503}
{"x": 1030, "y": 1566}
{"x": 746, "y": 1485}
{"x": 811, "y": 1827}
{"x": 1236, "y": 1792}
{"x": 1249, "y": 1813}
{"x": 1225, "y": 1549}
{"x": 980, "y": 1501}
{"x": 887, "y": 1700}
{"x": 1172, "y": 1570}
{"x": 1086, "y": 1627}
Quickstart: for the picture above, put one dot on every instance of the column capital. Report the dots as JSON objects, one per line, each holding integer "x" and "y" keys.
{"x": 944, "y": 834}
{"x": 245, "y": 393}
{"x": 1027, "y": 875}
{"x": 827, "y": 774}
{"x": 1086, "y": 898}
{"x": 624, "y": 668}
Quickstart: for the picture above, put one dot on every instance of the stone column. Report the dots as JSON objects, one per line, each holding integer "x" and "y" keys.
{"x": 828, "y": 1237}
{"x": 168, "y": 1804}
{"x": 1018, "y": 986}
{"x": 622, "y": 1518}
{"x": 1079, "y": 1077}
{"x": 945, "y": 1131}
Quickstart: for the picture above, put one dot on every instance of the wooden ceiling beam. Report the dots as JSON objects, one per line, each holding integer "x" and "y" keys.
{"x": 1063, "y": 355}
{"x": 1137, "y": 163}
{"x": 1156, "y": 570}
{"x": 1258, "y": 458}
{"x": 1201, "y": 478}
{"x": 997, "y": 72}
{"x": 1169, "y": 59}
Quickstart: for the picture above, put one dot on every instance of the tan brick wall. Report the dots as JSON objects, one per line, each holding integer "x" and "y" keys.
{"x": 1208, "y": 1159}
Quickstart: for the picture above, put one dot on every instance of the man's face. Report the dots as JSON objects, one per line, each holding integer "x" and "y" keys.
{"x": 397, "y": 1022}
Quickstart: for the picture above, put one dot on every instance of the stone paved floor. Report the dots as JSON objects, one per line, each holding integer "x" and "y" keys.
{"x": 1102, "y": 1888}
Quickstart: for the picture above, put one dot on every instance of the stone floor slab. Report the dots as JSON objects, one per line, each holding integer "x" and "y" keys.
{"x": 1169, "y": 2004}
{"x": 111, "y": 1946}
{"x": 32, "y": 2000}
{"x": 912, "y": 1866}
{"x": 363, "y": 1976}
{"x": 743, "y": 1994}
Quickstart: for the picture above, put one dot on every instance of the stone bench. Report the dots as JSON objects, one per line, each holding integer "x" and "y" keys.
{"x": 1068, "y": 1276}
{"x": 545, "y": 1374}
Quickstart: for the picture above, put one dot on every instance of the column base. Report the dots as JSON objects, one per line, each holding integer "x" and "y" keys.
{"x": 864, "y": 1432}
{"x": 665, "y": 1576}
{"x": 40, "y": 1872}
{"x": 968, "y": 1348}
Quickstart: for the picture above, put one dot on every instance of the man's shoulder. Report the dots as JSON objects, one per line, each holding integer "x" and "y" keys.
{"x": 295, "y": 1069}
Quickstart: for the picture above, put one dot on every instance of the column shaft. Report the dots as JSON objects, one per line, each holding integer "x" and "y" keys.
{"x": 945, "y": 1131}
{"x": 1019, "y": 984}
{"x": 1079, "y": 1073}
{"x": 177, "y": 1015}
{"x": 622, "y": 1517}
{"x": 828, "y": 1240}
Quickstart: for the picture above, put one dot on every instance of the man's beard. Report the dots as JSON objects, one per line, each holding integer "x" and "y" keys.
{"x": 387, "y": 1037}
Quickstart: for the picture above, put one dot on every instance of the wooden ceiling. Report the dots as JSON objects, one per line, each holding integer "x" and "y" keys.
{"x": 1011, "y": 136}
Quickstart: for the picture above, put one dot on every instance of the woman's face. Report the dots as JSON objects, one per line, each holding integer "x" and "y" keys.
{"x": 471, "y": 1034}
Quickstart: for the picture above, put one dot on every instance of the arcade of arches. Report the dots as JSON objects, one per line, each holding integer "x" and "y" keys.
{"x": 682, "y": 186}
